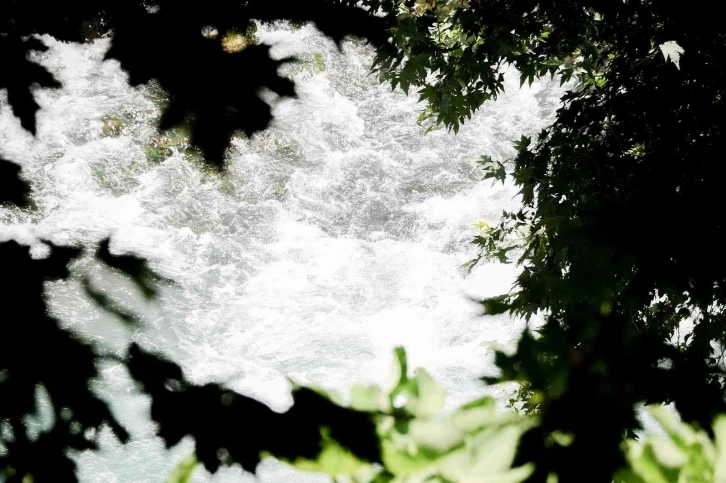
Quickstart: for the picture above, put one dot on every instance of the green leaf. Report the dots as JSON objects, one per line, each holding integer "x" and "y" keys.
{"x": 398, "y": 377}
{"x": 400, "y": 461}
{"x": 182, "y": 473}
{"x": 369, "y": 398}
{"x": 719, "y": 430}
{"x": 667, "y": 453}
{"x": 428, "y": 396}
{"x": 494, "y": 451}
{"x": 495, "y": 305}
{"x": 522, "y": 144}
{"x": 492, "y": 169}
{"x": 334, "y": 460}
{"x": 563, "y": 439}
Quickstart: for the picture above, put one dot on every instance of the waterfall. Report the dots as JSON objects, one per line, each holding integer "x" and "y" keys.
{"x": 333, "y": 237}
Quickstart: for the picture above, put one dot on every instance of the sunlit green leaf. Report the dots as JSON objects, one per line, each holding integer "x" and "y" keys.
{"x": 428, "y": 396}
{"x": 333, "y": 460}
{"x": 182, "y": 473}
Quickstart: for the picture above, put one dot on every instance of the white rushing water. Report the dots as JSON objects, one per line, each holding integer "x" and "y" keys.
{"x": 333, "y": 237}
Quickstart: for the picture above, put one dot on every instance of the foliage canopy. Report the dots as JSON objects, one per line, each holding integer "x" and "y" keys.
{"x": 633, "y": 152}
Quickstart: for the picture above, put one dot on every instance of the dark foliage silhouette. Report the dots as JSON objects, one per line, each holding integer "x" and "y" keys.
{"x": 19, "y": 74}
{"x": 240, "y": 428}
{"x": 38, "y": 352}
{"x": 214, "y": 93}
{"x": 13, "y": 189}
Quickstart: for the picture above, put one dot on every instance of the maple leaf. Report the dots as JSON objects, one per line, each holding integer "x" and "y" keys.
{"x": 671, "y": 50}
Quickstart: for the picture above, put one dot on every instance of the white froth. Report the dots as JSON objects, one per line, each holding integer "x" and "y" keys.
{"x": 334, "y": 237}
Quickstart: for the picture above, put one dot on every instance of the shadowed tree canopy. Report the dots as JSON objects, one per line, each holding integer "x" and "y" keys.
{"x": 620, "y": 234}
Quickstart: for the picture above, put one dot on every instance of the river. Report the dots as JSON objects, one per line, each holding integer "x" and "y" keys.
{"x": 333, "y": 237}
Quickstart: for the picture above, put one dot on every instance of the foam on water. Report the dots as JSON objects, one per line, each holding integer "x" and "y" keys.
{"x": 333, "y": 237}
